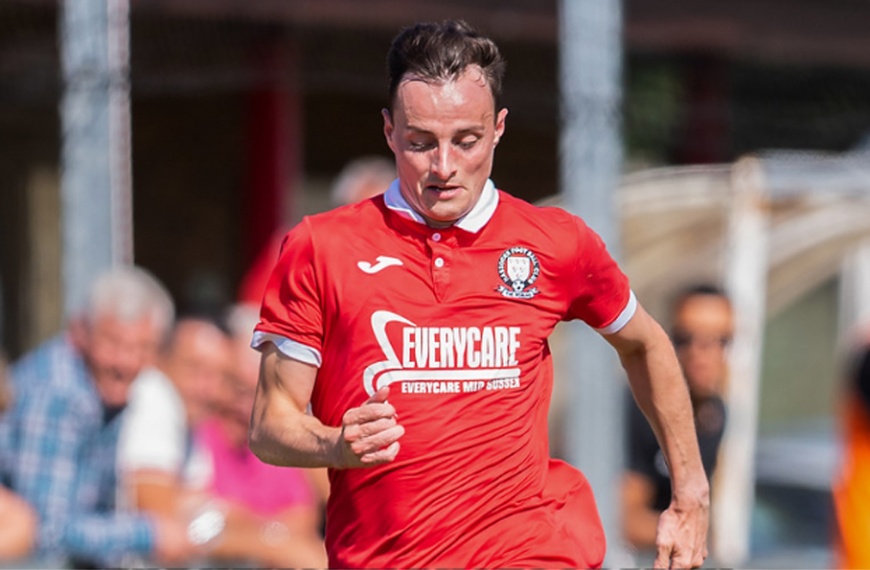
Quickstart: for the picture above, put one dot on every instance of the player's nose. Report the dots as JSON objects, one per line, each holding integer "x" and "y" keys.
{"x": 442, "y": 162}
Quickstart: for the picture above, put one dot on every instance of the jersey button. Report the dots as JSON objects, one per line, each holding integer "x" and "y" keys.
{"x": 439, "y": 262}
{"x": 436, "y": 236}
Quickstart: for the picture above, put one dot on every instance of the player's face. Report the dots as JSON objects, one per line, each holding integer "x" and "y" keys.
{"x": 444, "y": 136}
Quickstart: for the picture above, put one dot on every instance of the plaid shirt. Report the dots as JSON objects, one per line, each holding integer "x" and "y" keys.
{"x": 57, "y": 450}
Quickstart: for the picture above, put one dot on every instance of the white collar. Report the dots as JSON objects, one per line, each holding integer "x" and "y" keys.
{"x": 471, "y": 222}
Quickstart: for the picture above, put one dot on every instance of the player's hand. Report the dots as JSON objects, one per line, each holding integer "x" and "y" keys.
{"x": 681, "y": 538}
{"x": 370, "y": 433}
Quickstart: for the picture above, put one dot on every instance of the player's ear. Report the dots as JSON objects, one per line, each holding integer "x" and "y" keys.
{"x": 388, "y": 128}
{"x": 500, "y": 124}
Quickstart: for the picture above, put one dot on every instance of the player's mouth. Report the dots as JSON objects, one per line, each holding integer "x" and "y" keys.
{"x": 444, "y": 191}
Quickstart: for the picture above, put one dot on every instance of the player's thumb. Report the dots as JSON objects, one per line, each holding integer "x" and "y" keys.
{"x": 380, "y": 396}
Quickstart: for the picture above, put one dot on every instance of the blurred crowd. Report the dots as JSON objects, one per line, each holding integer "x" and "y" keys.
{"x": 124, "y": 439}
{"x": 124, "y": 443}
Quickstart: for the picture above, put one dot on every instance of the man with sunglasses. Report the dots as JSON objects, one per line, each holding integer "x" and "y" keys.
{"x": 701, "y": 329}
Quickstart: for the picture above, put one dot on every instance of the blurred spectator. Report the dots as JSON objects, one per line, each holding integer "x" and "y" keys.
{"x": 281, "y": 503}
{"x": 701, "y": 330}
{"x": 17, "y": 519}
{"x": 852, "y": 488}
{"x": 160, "y": 468}
{"x": 359, "y": 180}
{"x": 165, "y": 470}
{"x": 62, "y": 429}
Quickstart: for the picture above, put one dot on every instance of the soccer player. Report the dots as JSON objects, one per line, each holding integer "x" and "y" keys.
{"x": 416, "y": 325}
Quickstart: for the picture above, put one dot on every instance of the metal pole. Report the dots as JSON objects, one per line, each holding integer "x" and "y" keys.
{"x": 95, "y": 149}
{"x": 590, "y": 35}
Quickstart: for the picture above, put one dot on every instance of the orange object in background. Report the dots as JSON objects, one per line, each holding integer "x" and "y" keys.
{"x": 852, "y": 488}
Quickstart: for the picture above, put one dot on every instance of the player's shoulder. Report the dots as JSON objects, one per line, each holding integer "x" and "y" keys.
{"x": 551, "y": 219}
{"x": 336, "y": 225}
{"x": 346, "y": 218}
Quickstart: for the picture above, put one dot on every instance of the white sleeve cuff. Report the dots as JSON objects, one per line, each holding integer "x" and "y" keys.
{"x": 623, "y": 317}
{"x": 287, "y": 347}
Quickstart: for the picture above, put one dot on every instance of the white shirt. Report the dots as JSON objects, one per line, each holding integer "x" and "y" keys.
{"x": 155, "y": 434}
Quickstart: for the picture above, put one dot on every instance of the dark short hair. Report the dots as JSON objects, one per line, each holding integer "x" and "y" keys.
{"x": 697, "y": 290}
{"x": 707, "y": 289}
{"x": 443, "y": 51}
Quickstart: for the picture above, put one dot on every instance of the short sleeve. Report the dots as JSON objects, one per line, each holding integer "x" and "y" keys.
{"x": 599, "y": 290}
{"x": 291, "y": 315}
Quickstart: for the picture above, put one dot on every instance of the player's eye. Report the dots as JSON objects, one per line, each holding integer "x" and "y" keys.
{"x": 467, "y": 142}
{"x": 418, "y": 146}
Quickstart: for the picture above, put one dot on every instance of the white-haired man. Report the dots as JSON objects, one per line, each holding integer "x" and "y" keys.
{"x": 61, "y": 432}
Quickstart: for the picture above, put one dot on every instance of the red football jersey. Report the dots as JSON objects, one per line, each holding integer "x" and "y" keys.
{"x": 456, "y": 320}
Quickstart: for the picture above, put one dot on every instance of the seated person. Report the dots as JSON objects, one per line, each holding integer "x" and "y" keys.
{"x": 158, "y": 463}
{"x": 286, "y": 499}
{"x": 162, "y": 467}
{"x": 60, "y": 435}
{"x": 701, "y": 329}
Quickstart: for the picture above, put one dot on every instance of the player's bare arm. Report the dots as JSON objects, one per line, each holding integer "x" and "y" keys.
{"x": 654, "y": 374}
{"x": 282, "y": 433}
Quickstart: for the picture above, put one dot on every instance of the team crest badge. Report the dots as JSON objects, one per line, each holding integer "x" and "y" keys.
{"x": 518, "y": 268}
